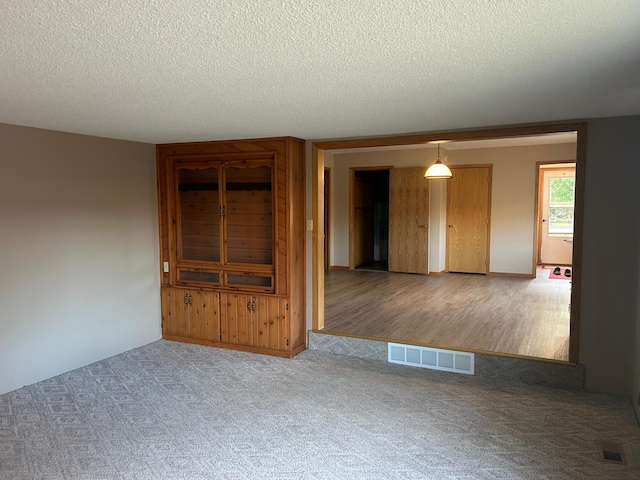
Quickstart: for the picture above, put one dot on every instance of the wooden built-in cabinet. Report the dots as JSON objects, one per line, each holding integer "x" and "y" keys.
{"x": 232, "y": 231}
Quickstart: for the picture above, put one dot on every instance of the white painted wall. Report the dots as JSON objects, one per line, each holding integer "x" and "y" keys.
{"x": 512, "y": 202}
{"x": 79, "y": 268}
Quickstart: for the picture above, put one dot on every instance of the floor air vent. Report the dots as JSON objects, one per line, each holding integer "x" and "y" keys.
{"x": 611, "y": 452}
{"x": 434, "y": 358}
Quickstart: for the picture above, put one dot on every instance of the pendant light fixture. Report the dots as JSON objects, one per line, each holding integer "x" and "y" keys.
{"x": 438, "y": 169}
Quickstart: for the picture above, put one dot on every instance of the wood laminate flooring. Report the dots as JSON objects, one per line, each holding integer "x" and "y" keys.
{"x": 519, "y": 316}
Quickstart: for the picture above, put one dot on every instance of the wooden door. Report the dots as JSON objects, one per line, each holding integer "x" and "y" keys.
{"x": 236, "y": 320}
{"x": 175, "y": 312}
{"x": 271, "y": 321}
{"x": 408, "y": 221}
{"x": 468, "y": 197}
{"x": 203, "y": 316}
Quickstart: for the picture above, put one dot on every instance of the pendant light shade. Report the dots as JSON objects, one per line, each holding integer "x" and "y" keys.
{"x": 438, "y": 169}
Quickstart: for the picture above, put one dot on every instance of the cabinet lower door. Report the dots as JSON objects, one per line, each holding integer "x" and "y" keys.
{"x": 175, "y": 312}
{"x": 271, "y": 321}
{"x": 190, "y": 314}
{"x": 254, "y": 320}
{"x": 203, "y": 316}
{"x": 236, "y": 319}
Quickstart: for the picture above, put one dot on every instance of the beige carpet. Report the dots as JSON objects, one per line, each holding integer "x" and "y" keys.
{"x": 179, "y": 411}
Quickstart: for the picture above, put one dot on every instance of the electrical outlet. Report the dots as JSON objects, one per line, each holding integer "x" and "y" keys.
{"x": 310, "y": 225}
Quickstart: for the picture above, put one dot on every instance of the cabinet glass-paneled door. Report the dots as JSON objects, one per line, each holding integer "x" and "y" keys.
{"x": 198, "y": 212}
{"x": 248, "y": 214}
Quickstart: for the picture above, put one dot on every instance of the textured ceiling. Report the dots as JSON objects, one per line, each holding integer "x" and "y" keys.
{"x": 165, "y": 70}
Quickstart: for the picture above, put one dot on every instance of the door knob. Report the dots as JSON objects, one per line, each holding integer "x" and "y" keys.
{"x": 452, "y": 226}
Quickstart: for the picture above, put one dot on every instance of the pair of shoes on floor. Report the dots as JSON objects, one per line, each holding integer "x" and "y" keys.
{"x": 557, "y": 270}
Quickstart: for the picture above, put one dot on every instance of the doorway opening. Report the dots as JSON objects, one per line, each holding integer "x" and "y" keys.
{"x": 327, "y": 217}
{"x": 555, "y": 215}
{"x": 512, "y": 251}
{"x": 369, "y": 213}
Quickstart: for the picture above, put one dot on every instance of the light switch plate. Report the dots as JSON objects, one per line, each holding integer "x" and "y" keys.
{"x": 165, "y": 267}
{"x": 310, "y": 225}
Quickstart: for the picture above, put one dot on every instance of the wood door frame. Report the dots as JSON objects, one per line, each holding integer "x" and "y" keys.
{"x": 317, "y": 161}
{"x": 537, "y": 253}
{"x": 352, "y": 207}
{"x": 490, "y": 186}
